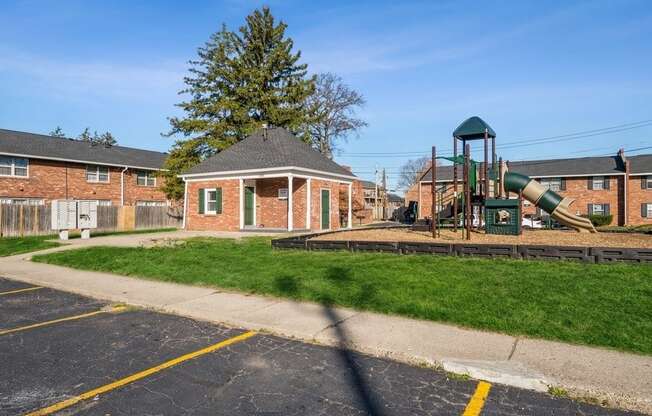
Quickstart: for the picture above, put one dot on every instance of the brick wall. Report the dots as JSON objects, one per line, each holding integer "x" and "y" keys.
{"x": 50, "y": 180}
{"x": 636, "y": 196}
{"x": 315, "y": 204}
{"x": 271, "y": 212}
{"x": 228, "y": 220}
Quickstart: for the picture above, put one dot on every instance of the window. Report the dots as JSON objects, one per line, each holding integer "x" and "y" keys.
{"x": 213, "y": 201}
{"x": 646, "y": 210}
{"x": 100, "y": 202}
{"x": 145, "y": 178}
{"x": 646, "y": 182}
{"x": 96, "y": 173}
{"x": 598, "y": 209}
{"x": 597, "y": 183}
{"x": 22, "y": 201}
{"x": 151, "y": 204}
{"x": 283, "y": 193}
{"x": 554, "y": 184}
{"x": 13, "y": 166}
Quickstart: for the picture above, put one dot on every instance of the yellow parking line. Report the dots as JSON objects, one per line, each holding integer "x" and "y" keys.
{"x": 475, "y": 405}
{"x": 56, "y": 321}
{"x": 135, "y": 377}
{"x": 11, "y": 292}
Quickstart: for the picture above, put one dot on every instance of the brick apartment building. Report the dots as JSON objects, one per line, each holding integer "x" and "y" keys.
{"x": 616, "y": 185}
{"x": 35, "y": 169}
{"x": 271, "y": 180}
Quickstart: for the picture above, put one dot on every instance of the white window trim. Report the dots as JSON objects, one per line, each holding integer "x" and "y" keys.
{"x": 648, "y": 182}
{"x": 144, "y": 203}
{"x": 601, "y": 212}
{"x": 147, "y": 176}
{"x": 13, "y": 167}
{"x": 97, "y": 174}
{"x": 546, "y": 183}
{"x": 206, "y": 210}
{"x": 12, "y": 201}
{"x": 649, "y": 210}
{"x": 593, "y": 182}
{"x": 97, "y": 201}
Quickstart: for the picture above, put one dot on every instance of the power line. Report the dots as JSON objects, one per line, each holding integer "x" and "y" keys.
{"x": 523, "y": 142}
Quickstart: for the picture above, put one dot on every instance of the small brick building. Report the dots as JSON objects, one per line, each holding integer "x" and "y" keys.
{"x": 271, "y": 180}
{"x": 616, "y": 185}
{"x": 36, "y": 169}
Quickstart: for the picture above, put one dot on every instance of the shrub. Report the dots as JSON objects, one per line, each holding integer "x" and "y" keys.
{"x": 601, "y": 220}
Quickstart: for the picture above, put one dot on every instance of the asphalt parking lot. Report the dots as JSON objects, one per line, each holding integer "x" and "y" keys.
{"x": 65, "y": 354}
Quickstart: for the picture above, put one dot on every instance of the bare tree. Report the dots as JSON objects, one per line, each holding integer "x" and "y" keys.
{"x": 411, "y": 170}
{"x": 333, "y": 108}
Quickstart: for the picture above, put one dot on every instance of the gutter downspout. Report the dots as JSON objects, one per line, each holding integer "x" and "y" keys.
{"x": 185, "y": 203}
{"x": 122, "y": 186}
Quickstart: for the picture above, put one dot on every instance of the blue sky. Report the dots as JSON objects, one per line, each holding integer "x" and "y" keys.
{"x": 530, "y": 69}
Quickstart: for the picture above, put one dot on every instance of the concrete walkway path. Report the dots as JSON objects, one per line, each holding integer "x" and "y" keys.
{"x": 619, "y": 379}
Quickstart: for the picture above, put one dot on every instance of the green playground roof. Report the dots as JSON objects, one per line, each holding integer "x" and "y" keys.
{"x": 473, "y": 128}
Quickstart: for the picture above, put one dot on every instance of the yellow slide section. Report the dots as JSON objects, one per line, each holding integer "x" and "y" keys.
{"x": 564, "y": 216}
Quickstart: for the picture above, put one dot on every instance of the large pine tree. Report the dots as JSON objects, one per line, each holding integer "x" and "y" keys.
{"x": 239, "y": 81}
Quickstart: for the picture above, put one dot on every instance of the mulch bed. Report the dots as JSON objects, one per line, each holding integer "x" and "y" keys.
{"x": 538, "y": 237}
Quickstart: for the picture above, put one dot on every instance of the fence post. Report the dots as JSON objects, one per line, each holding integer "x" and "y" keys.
{"x": 21, "y": 225}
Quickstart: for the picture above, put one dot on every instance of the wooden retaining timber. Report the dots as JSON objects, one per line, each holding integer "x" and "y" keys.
{"x": 524, "y": 252}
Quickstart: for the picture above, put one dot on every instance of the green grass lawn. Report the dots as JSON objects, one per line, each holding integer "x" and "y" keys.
{"x": 18, "y": 245}
{"x": 602, "y": 305}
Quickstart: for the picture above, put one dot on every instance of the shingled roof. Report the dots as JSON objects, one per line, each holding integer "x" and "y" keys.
{"x": 583, "y": 166}
{"x": 277, "y": 148}
{"x": 39, "y": 146}
{"x": 640, "y": 164}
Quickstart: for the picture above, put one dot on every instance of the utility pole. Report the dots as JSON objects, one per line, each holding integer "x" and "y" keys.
{"x": 384, "y": 195}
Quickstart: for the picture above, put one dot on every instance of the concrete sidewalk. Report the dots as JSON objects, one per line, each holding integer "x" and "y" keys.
{"x": 620, "y": 379}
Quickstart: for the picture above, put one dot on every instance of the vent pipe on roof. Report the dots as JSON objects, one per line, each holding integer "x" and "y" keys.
{"x": 265, "y": 127}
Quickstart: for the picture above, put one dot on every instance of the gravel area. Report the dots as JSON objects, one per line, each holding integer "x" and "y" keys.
{"x": 543, "y": 237}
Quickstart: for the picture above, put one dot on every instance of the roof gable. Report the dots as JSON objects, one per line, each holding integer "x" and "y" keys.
{"x": 40, "y": 146}
{"x": 274, "y": 148}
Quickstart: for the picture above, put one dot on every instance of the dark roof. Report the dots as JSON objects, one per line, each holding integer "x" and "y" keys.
{"x": 601, "y": 165}
{"x": 566, "y": 167}
{"x": 394, "y": 198}
{"x": 640, "y": 164}
{"x": 279, "y": 149}
{"x": 473, "y": 128}
{"x": 47, "y": 147}
{"x": 368, "y": 184}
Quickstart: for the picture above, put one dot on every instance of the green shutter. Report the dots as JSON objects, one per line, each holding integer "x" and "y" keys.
{"x": 562, "y": 184}
{"x": 643, "y": 182}
{"x": 218, "y": 200}
{"x": 644, "y": 210}
{"x": 200, "y": 203}
{"x": 606, "y": 183}
{"x": 589, "y": 185}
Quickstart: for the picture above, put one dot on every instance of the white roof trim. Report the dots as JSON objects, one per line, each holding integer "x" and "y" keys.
{"x": 641, "y": 174}
{"x": 61, "y": 159}
{"x": 288, "y": 169}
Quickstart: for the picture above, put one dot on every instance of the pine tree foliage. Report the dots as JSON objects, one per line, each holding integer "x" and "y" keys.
{"x": 57, "y": 132}
{"x": 239, "y": 81}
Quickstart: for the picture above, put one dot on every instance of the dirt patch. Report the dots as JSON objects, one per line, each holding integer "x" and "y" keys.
{"x": 540, "y": 237}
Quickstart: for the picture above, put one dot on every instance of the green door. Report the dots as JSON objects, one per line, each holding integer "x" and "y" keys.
{"x": 249, "y": 205}
{"x": 325, "y": 209}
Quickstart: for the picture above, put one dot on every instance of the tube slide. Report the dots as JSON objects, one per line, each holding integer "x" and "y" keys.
{"x": 547, "y": 200}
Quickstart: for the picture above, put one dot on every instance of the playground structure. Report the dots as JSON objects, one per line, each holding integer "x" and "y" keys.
{"x": 485, "y": 198}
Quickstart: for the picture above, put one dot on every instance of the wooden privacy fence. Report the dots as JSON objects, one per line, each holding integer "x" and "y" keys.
{"x": 24, "y": 220}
